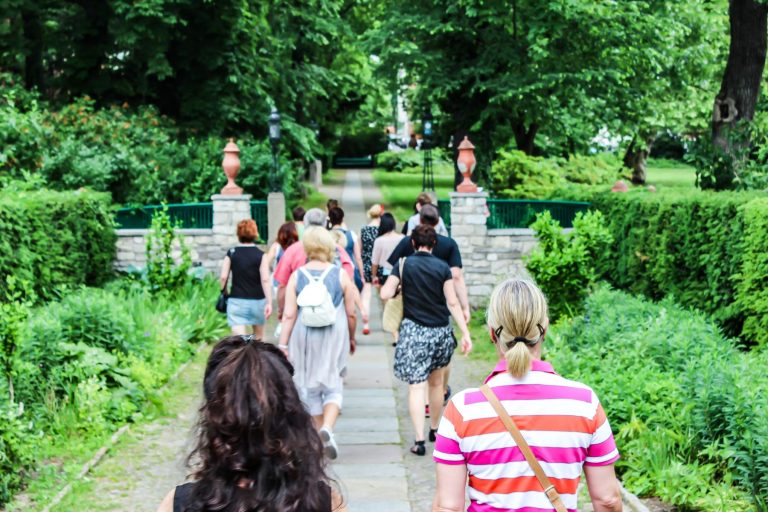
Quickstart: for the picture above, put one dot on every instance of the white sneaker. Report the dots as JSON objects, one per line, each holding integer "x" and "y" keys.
{"x": 329, "y": 444}
{"x": 278, "y": 330}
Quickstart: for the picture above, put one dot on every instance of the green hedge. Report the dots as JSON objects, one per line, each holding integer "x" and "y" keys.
{"x": 707, "y": 250}
{"x": 689, "y": 409}
{"x": 54, "y": 239}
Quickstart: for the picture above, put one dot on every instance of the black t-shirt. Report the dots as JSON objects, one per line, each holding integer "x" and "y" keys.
{"x": 246, "y": 278}
{"x": 445, "y": 249}
{"x": 423, "y": 299}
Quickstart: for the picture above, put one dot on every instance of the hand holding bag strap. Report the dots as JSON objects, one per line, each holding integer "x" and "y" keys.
{"x": 546, "y": 484}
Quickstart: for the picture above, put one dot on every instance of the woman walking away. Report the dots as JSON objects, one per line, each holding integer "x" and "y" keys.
{"x": 563, "y": 426}
{"x": 386, "y": 241}
{"x": 250, "y": 299}
{"x": 353, "y": 246}
{"x": 368, "y": 235}
{"x": 287, "y": 235}
{"x": 319, "y": 331}
{"x": 256, "y": 448}
{"x": 426, "y": 340}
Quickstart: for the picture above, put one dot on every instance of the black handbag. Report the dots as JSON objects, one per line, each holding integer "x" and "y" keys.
{"x": 221, "y": 304}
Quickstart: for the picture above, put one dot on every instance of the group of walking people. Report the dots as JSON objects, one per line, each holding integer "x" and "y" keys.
{"x": 266, "y": 425}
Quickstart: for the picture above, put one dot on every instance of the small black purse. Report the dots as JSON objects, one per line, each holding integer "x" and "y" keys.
{"x": 221, "y": 304}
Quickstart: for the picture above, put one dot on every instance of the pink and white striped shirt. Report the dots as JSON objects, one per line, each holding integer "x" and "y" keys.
{"x": 562, "y": 421}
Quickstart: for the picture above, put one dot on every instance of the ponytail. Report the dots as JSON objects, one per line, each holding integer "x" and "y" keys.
{"x": 518, "y": 360}
{"x": 516, "y": 313}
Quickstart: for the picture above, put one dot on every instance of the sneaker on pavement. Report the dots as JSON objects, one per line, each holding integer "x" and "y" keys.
{"x": 329, "y": 443}
{"x": 447, "y": 396}
{"x": 426, "y": 411}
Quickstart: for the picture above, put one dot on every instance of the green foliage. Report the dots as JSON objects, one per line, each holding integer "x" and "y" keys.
{"x": 399, "y": 160}
{"x": 14, "y": 308}
{"x": 364, "y": 142}
{"x": 164, "y": 273}
{"x": 517, "y": 175}
{"x": 700, "y": 248}
{"x": 562, "y": 264}
{"x": 17, "y": 439}
{"x": 54, "y": 240}
{"x": 752, "y": 281}
{"x": 137, "y": 155}
{"x": 90, "y": 362}
{"x": 688, "y": 408}
{"x": 541, "y": 72}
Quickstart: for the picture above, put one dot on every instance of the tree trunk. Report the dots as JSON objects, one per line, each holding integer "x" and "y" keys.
{"x": 746, "y": 59}
{"x": 525, "y": 137}
{"x": 636, "y": 157}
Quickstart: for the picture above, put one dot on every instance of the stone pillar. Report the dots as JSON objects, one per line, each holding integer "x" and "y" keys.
{"x": 275, "y": 212}
{"x": 228, "y": 210}
{"x": 468, "y": 229}
{"x": 316, "y": 173}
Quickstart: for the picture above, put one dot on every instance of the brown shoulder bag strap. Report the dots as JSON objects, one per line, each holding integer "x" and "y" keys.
{"x": 546, "y": 484}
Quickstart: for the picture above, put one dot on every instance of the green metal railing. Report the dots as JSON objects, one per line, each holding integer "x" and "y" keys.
{"x": 521, "y": 213}
{"x": 260, "y": 215}
{"x": 444, "y": 205}
{"x": 345, "y": 162}
{"x": 189, "y": 215}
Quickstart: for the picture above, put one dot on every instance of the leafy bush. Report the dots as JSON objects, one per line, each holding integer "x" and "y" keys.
{"x": 137, "y": 155}
{"x": 90, "y": 361}
{"x": 17, "y": 438}
{"x": 54, "y": 239}
{"x": 400, "y": 160}
{"x": 705, "y": 249}
{"x": 564, "y": 264}
{"x": 690, "y": 410}
{"x": 164, "y": 273}
{"x": 517, "y": 175}
{"x": 363, "y": 143}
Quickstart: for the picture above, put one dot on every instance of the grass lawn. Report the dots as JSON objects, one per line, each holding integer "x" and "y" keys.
{"x": 400, "y": 189}
{"x": 670, "y": 174}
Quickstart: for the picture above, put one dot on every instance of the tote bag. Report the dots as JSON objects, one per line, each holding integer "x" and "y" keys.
{"x": 393, "y": 309}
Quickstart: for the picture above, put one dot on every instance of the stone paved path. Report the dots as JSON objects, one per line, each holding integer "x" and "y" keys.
{"x": 375, "y": 469}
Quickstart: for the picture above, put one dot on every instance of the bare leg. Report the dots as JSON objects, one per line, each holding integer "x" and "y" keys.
{"x": 317, "y": 421}
{"x": 446, "y": 376}
{"x": 258, "y": 332}
{"x": 238, "y": 329}
{"x": 435, "y": 382}
{"x": 330, "y": 413}
{"x": 366, "y": 302}
{"x": 416, "y": 407}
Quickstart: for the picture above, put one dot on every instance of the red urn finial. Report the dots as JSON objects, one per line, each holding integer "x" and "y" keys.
{"x": 231, "y": 166}
{"x": 466, "y": 163}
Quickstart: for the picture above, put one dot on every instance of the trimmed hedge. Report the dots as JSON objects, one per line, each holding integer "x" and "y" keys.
{"x": 54, "y": 239}
{"x": 707, "y": 250}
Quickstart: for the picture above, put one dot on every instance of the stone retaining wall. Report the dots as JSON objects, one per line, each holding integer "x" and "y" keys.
{"x": 488, "y": 255}
{"x": 207, "y": 246}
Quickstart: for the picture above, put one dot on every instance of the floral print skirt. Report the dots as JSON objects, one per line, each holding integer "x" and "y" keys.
{"x": 421, "y": 350}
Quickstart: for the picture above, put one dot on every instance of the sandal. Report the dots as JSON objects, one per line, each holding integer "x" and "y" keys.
{"x": 432, "y": 435}
{"x": 418, "y": 448}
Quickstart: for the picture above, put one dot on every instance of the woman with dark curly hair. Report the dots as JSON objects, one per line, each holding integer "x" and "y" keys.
{"x": 257, "y": 449}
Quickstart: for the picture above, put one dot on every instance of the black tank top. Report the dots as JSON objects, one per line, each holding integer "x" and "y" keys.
{"x": 246, "y": 278}
{"x": 183, "y": 492}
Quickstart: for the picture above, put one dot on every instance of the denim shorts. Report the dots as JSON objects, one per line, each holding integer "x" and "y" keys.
{"x": 245, "y": 311}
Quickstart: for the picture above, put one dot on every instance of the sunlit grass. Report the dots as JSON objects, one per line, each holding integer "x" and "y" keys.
{"x": 670, "y": 173}
{"x": 400, "y": 189}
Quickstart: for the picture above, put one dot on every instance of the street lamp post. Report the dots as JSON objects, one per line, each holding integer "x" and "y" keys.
{"x": 428, "y": 176}
{"x": 274, "y": 140}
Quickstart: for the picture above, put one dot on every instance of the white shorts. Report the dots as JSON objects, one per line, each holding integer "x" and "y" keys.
{"x": 315, "y": 399}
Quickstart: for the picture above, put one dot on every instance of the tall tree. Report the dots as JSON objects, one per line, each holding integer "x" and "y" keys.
{"x": 744, "y": 70}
